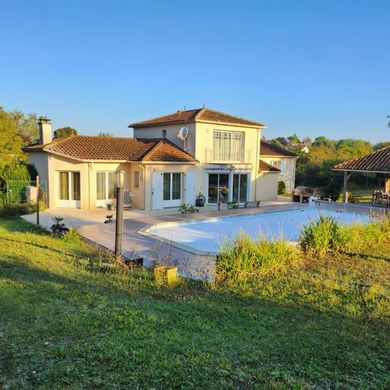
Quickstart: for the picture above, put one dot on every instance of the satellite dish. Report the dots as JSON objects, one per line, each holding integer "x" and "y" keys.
{"x": 183, "y": 133}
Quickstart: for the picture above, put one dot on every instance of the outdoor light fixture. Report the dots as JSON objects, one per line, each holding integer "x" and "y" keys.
{"x": 120, "y": 178}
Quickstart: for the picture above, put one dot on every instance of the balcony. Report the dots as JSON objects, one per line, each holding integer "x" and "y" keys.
{"x": 217, "y": 156}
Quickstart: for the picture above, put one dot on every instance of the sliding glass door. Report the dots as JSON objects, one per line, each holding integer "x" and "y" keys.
{"x": 218, "y": 190}
{"x": 240, "y": 188}
{"x": 105, "y": 187}
{"x": 69, "y": 189}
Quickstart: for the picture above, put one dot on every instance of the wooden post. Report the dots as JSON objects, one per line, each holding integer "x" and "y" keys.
{"x": 345, "y": 187}
{"x": 37, "y": 184}
{"x": 387, "y": 183}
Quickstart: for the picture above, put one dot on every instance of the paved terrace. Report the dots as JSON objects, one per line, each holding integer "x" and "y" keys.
{"x": 90, "y": 225}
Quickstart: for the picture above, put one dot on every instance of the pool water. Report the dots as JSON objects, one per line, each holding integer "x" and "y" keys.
{"x": 207, "y": 235}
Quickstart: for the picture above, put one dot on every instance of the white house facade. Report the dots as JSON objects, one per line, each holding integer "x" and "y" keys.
{"x": 170, "y": 161}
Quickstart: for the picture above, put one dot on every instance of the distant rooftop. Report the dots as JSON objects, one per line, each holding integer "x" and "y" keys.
{"x": 269, "y": 149}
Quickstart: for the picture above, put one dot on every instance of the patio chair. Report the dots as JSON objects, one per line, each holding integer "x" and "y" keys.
{"x": 127, "y": 201}
{"x": 378, "y": 199}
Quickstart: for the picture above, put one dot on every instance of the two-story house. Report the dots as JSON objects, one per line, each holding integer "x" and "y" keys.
{"x": 282, "y": 159}
{"x": 169, "y": 161}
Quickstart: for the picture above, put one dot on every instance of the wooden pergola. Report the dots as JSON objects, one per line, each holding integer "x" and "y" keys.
{"x": 377, "y": 162}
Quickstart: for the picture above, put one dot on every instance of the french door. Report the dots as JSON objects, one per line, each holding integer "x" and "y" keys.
{"x": 240, "y": 188}
{"x": 172, "y": 189}
{"x": 105, "y": 187}
{"x": 218, "y": 188}
{"x": 69, "y": 189}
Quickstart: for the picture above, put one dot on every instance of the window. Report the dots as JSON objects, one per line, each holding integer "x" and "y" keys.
{"x": 105, "y": 185}
{"x": 227, "y": 145}
{"x": 164, "y": 133}
{"x": 136, "y": 179}
{"x": 69, "y": 185}
{"x": 172, "y": 186}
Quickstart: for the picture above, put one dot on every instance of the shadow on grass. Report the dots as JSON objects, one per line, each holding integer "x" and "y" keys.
{"x": 259, "y": 338}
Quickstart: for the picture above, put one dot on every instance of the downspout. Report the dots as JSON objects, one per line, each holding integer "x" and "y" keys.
{"x": 144, "y": 180}
{"x": 257, "y": 160}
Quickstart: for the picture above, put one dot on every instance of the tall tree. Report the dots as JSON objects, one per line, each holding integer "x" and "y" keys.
{"x": 10, "y": 142}
{"x": 27, "y": 126}
{"x": 64, "y": 132}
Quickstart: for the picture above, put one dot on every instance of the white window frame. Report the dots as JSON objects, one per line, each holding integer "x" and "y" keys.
{"x": 67, "y": 202}
{"x": 107, "y": 200}
{"x": 173, "y": 202}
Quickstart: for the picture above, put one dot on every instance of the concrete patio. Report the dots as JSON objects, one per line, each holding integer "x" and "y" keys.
{"x": 90, "y": 224}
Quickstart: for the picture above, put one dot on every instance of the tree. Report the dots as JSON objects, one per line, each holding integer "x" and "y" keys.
{"x": 105, "y": 134}
{"x": 12, "y": 158}
{"x": 293, "y": 139}
{"x": 64, "y": 132}
{"x": 10, "y": 142}
{"x": 27, "y": 126}
{"x": 381, "y": 145}
{"x": 354, "y": 147}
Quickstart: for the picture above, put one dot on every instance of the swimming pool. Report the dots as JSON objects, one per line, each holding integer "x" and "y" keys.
{"x": 206, "y": 235}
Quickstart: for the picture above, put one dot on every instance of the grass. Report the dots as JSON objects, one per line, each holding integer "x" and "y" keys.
{"x": 67, "y": 320}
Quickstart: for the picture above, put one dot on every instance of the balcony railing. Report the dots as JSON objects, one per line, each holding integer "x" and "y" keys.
{"x": 217, "y": 156}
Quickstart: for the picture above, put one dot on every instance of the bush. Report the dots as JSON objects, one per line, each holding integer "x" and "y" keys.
{"x": 362, "y": 237}
{"x": 188, "y": 209}
{"x": 16, "y": 210}
{"x": 281, "y": 187}
{"x": 322, "y": 236}
{"x": 243, "y": 260}
{"x": 332, "y": 190}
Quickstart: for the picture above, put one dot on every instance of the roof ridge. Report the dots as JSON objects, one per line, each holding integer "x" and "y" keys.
{"x": 224, "y": 113}
{"x": 163, "y": 116}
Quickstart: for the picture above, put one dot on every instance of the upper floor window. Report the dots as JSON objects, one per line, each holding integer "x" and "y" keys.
{"x": 227, "y": 145}
{"x": 164, "y": 133}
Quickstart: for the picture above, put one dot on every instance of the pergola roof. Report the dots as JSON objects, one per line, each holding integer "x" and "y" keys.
{"x": 377, "y": 162}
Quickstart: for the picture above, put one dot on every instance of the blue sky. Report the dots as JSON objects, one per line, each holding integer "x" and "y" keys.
{"x": 309, "y": 67}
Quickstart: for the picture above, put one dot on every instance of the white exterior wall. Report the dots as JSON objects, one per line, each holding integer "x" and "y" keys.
{"x": 267, "y": 186}
{"x": 287, "y": 165}
{"x": 172, "y": 132}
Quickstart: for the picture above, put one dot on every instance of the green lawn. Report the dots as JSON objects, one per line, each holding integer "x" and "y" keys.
{"x": 68, "y": 321}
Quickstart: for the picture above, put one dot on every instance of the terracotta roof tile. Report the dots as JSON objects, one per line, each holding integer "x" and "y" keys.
{"x": 114, "y": 149}
{"x": 191, "y": 116}
{"x": 265, "y": 167}
{"x": 378, "y": 161}
{"x": 269, "y": 149}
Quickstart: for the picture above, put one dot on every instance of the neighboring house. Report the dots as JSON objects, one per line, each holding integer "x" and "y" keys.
{"x": 282, "y": 159}
{"x": 219, "y": 158}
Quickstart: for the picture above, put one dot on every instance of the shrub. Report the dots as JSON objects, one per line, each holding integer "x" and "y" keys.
{"x": 188, "y": 209}
{"x": 332, "y": 190}
{"x": 16, "y": 210}
{"x": 281, "y": 187}
{"x": 322, "y": 236}
{"x": 244, "y": 260}
{"x": 360, "y": 237}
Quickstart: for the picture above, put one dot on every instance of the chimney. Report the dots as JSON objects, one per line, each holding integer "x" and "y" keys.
{"x": 44, "y": 125}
